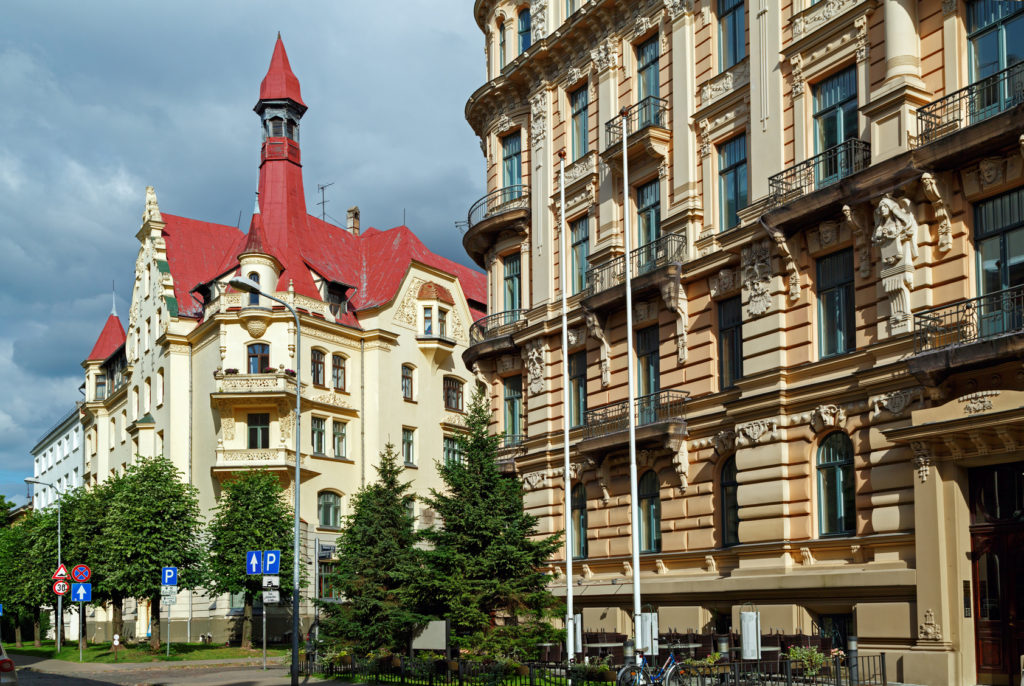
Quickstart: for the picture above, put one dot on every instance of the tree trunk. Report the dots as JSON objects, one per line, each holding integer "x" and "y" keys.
{"x": 17, "y": 632}
{"x": 154, "y": 624}
{"x": 247, "y": 622}
{"x": 117, "y": 617}
{"x": 37, "y": 622}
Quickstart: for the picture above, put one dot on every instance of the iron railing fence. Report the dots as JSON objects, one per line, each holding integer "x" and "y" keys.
{"x": 650, "y": 111}
{"x": 820, "y": 171}
{"x": 650, "y": 409}
{"x": 970, "y": 321}
{"x": 511, "y": 441}
{"x": 498, "y": 202}
{"x": 643, "y": 260}
{"x": 977, "y": 102}
{"x": 496, "y": 325}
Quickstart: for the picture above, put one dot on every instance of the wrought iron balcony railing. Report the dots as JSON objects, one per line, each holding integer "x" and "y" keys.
{"x": 496, "y": 325}
{"x": 650, "y": 111}
{"x": 498, "y": 202}
{"x": 820, "y": 171}
{"x": 970, "y": 321}
{"x": 650, "y": 409}
{"x": 644, "y": 260}
{"x": 975, "y": 103}
{"x": 510, "y": 441}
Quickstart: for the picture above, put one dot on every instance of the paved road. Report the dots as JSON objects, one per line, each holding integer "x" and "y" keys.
{"x": 35, "y": 672}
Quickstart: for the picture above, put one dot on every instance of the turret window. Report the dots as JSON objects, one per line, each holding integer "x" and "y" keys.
{"x": 254, "y": 298}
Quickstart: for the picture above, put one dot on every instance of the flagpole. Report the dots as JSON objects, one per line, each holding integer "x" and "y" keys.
{"x": 634, "y": 506}
{"x": 570, "y": 629}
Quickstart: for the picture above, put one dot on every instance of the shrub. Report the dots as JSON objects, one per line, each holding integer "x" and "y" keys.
{"x": 811, "y": 658}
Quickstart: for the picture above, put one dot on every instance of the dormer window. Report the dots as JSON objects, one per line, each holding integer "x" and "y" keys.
{"x": 336, "y": 300}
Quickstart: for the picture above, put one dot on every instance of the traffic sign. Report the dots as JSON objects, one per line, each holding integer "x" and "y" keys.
{"x": 271, "y": 583}
{"x": 1, "y": 609}
{"x": 61, "y": 573}
{"x": 271, "y": 597}
{"x": 81, "y": 573}
{"x": 169, "y": 576}
{"x": 271, "y": 561}
{"x": 60, "y": 587}
{"x": 169, "y": 600}
{"x": 81, "y": 593}
{"x": 254, "y": 562}
{"x": 168, "y": 590}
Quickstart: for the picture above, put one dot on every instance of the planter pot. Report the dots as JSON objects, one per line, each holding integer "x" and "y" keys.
{"x": 453, "y": 665}
{"x": 396, "y": 661}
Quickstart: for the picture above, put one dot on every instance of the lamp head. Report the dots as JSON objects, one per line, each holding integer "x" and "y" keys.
{"x": 244, "y": 284}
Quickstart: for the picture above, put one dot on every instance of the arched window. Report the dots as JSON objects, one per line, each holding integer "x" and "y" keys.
{"x": 329, "y": 507}
{"x": 730, "y": 504}
{"x": 650, "y": 513}
{"x": 452, "y": 393}
{"x": 254, "y": 298}
{"x": 579, "y": 522}
{"x": 407, "y": 382}
{"x": 259, "y": 358}
{"x": 836, "y": 508}
{"x": 524, "y": 29}
{"x": 316, "y": 367}
{"x": 159, "y": 387}
{"x": 147, "y": 395}
{"x": 338, "y": 372}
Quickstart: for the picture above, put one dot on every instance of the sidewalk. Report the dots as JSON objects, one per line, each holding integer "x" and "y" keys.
{"x": 85, "y": 669}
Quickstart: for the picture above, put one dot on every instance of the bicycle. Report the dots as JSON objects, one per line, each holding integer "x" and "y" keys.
{"x": 641, "y": 675}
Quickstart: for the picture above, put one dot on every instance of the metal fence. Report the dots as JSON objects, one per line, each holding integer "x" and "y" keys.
{"x": 975, "y": 103}
{"x": 970, "y": 321}
{"x": 498, "y": 202}
{"x": 496, "y": 325}
{"x": 820, "y": 171}
{"x": 643, "y": 260}
{"x": 650, "y": 111}
{"x": 650, "y": 409}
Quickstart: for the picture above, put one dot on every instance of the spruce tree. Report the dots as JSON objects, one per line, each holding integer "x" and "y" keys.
{"x": 378, "y": 564}
{"x": 483, "y": 569}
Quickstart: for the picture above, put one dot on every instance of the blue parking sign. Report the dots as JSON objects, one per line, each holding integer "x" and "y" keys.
{"x": 254, "y": 562}
{"x": 271, "y": 561}
{"x": 169, "y": 576}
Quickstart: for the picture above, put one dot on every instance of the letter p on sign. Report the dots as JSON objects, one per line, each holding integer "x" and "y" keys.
{"x": 169, "y": 576}
{"x": 271, "y": 561}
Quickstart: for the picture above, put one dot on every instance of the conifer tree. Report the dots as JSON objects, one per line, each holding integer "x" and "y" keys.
{"x": 378, "y": 564}
{"x": 483, "y": 569}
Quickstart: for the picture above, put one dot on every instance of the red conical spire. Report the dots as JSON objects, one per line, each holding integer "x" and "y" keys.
{"x": 280, "y": 82}
{"x": 254, "y": 241}
{"x": 111, "y": 338}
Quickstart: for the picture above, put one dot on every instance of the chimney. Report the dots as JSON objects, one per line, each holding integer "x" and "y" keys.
{"x": 353, "y": 220}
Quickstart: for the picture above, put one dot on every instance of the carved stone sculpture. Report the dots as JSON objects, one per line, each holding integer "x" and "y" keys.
{"x": 533, "y": 357}
{"x": 896, "y": 236}
{"x": 674, "y": 295}
{"x": 757, "y": 276}
{"x": 152, "y": 211}
{"x": 930, "y": 186}
{"x": 595, "y": 329}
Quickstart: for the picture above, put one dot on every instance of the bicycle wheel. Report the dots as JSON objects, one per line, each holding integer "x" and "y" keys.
{"x": 673, "y": 677}
{"x": 633, "y": 675}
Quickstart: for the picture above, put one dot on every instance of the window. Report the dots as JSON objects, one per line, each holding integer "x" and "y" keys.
{"x": 579, "y": 101}
{"x": 577, "y": 388}
{"x": 835, "y": 121}
{"x": 570, "y": 7}
{"x": 835, "y": 303}
{"x": 731, "y": 33}
{"x": 836, "y": 508}
{"x": 579, "y": 522}
{"x": 511, "y": 266}
{"x": 316, "y": 367}
{"x": 135, "y": 403}
{"x": 159, "y": 387}
{"x": 996, "y": 33}
{"x": 648, "y": 367}
{"x": 340, "y": 439}
{"x": 327, "y": 590}
{"x": 254, "y": 298}
{"x": 452, "y": 394}
{"x": 999, "y": 231}
{"x": 650, "y": 513}
{"x": 511, "y": 166}
{"x": 428, "y": 321}
{"x": 329, "y": 507}
{"x": 147, "y": 394}
{"x": 649, "y": 88}
{"x": 101, "y": 387}
{"x": 730, "y": 342}
{"x": 451, "y": 450}
{"x": 648, "y": 208}
{"x": 318, "y": 430}
{"x": 338, "y": 372}
{"x": 513, "y": 407}
{"x": 732, "y": 180}
{"x": 501, "y": 44}
{"x": 730, "y": 504}
{"x": 442, "y": 323}
{"x": 259, "y": 358}
{"x": 580, "y": 230}
{"x": 408, "y": 447}
{"x": 336, "y": 300}
{"x": 406, "y": 382}
{"x": 524, "y": 30}
{"x": 259, "y": 430}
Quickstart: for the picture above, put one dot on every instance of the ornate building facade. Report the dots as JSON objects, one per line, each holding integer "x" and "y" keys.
{"x": 827, "y": 200}
{"x": 207, "y": 376}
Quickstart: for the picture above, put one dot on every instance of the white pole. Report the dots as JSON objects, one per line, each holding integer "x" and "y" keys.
{"x": 634, "y": 505}
{"x": 60, "y": 561}
{"x": 570, "y": 633}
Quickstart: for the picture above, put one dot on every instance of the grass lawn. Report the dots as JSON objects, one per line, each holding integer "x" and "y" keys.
{"x": 102, "y": 652}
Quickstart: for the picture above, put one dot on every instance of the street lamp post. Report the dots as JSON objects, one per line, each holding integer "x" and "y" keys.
{"x": 60, "y": 598}
{"x": 247, "y": 285}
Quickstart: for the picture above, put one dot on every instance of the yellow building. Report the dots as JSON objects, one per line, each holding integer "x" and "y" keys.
{"x": 827, "y": 199}
{"x": 207, "y": 376}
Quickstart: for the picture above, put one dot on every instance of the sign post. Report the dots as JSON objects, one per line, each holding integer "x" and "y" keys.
{"x": 271, "y": 594}
{"x": 268, "y": 563}
{"x": 81, "y": 593}
{"x": 169, "y": 596}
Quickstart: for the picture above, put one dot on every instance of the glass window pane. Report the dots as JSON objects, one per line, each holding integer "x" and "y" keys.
{"x": 1015, "y": 258}
{"x": 985, "y": 55}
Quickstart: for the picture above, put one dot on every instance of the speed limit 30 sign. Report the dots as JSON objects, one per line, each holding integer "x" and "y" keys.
{"x": 60, "y": 587}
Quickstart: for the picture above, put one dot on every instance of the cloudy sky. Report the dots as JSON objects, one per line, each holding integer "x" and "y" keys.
{"x": 103, "y": 99}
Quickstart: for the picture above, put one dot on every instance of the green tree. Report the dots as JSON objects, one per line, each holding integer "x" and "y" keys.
{"x": 252, "y": 515}
{"x": 378, "y": 564}
{"x": 154, "y": 522}
{"x": 483, "y": 567}
{"x": 20, "y": 588}
{"x": 5, "y": 509}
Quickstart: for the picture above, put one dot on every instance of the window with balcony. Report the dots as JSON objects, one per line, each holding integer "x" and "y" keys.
{"x": 579, "y": 102}
{"x": 513, "y": 406}
{"x": 452, "y": 394}
{"x": 408, "y": 447}
{"x": 338, "y": 372}
{"x": 428, "y": 321}
{"x": 524, "y": 29}
{"x": 579, "y": 522}
{"x": 650, "y": 513}
{"x": 318, "y": 431}
{"x": 451, "y": 451}
{"x": 340, "y": 439}
{"x": 254, "y": 298}
{"x": 835, "y": 121}
{"x": 999, "y": 233}
{"x": 730, "y": 342}
{"x": 407, "y": 382}
{"x": 648, "y": 203}
{"x": 730, "y": 503}
{"x": 259, "y": 358}
{"x": 836, "y": 312}
{"x": 580, "y": 232}
{"x": 836, "y": 507}
{"x": 995, "y": 31}
{"x": 732, "y": 181}
{"x": 512, "y": 165}
{"x": 732, "y": 37}
{"x": 648, "y": 378}
{"x": 329, "y": 510}
{"x": 259, "y": 430}
{"x": 577, "y": 388}
{"x": 648, "y": 83}
{"x": 511, "y": 265}
{"x": 316, "y": 367}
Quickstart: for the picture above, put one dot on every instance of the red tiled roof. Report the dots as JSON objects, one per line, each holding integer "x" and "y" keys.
{"x": 435, "y": 291}
{"x": 254, "y": 243}
{"x": 280, "y": 82}
{"x": 196, "y": 253}
{"x": 111, "y": 338}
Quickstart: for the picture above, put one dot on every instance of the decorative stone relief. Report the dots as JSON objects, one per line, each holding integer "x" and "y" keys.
{"x": 895, "y": 402}
{"x": 704, "y": 131}
{"x": 285, "y": 422}
{"x": 722, "y": 282}
{"x": 676, "y": 8}
{"x": 930, "y": 186}
{"x": 506, "y": 363}
{"x": 818, "y": 15}
{"x": 976, "y": 403}
{"x": 256, "y": 327}
{"x": 605, "y": 56}
{"x": 538, "y": 118}
{"x": 539, "y": 19}
{"x": 660, "y": 567}
{"x": 674, "y": 295}
{"x": 725, "y": 83}
{"x": 724, "y": 442}
{"x": 928, "y": 629}
{"x": 852, "y": 219}
{"x": 949, "y": 7}
{"x": 806, "y": 556}
{"x": 863, "y": 46}
{"x": 331, "y": 399}
{"x": 828, "y": 233}
{"x": 227, "y": 422}
{"x": 827, "y": 416}
{"x": 407, "y": 311}
{"x": 595, "y": 329}
{"x": 896, "y": 236}
{"x": 710, "y": 565}
{"x": 796, "y": 62}
{"x": 681, "y": 463}
{"x": 576, "y": 74}
{"x": 644, "y": 310}
{"x": 580, "y": 169}
{"x": 922, "y": 459}
{"x": 757, "y": 276}
{"x": 627, "y": 569}
{"x": 752, "y": 433}
{"x": 576, "y": 335}
{"x": 533, "y": 480}
{"x": 152, "y": 211}
{"x": 641, "y": 26}
{"x": 533, "y": 358}
{"x": 504, "y": 123}
{"x": 787, "y": 257}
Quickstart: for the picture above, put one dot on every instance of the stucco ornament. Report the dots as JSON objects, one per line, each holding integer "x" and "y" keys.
{"x": 895, "y": 402}
{"x": 928, "y": 629}
{"x": 725, "y": 442}
{"x": 594, "y": 329}
{"x": 852, "y": 219}
{"x": 533, "y": 356}
{"x": 676, "y": 8}
{"x": 538, "y": 119}
{"x": 539, "y": 18}
{"x": 827, "y": 416}
{"x": 723, "y": 281}
{"x": 757, "y": 276}
{"x": 674, "y": 295}
{"x": 152, "y": 211}
{"x": 533, "y": 480}
{"x": 932, "y": 191}
{"x": 922, "y": 459}
{"x": 681, "y": 463}
{"x": 605, "y": 56}
{"x": 896, "y": 236}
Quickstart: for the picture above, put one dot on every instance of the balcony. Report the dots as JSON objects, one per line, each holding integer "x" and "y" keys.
{"x": 510, "y": 447}
{"x": 971, "y": 105}
{"x": 646, "y": 130}
{"x": 821, "y": 171}
{"x": 436, "y": 347}
{"x": 492, "y": 335}
{"x": 500, "y": 210}
{"x": 660, "y": 422}
{"x": 229, "y": 460}
{"x": 650, "y": 266}
{"x": 271, "y": 384}
{"x": 969, "y": 333}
